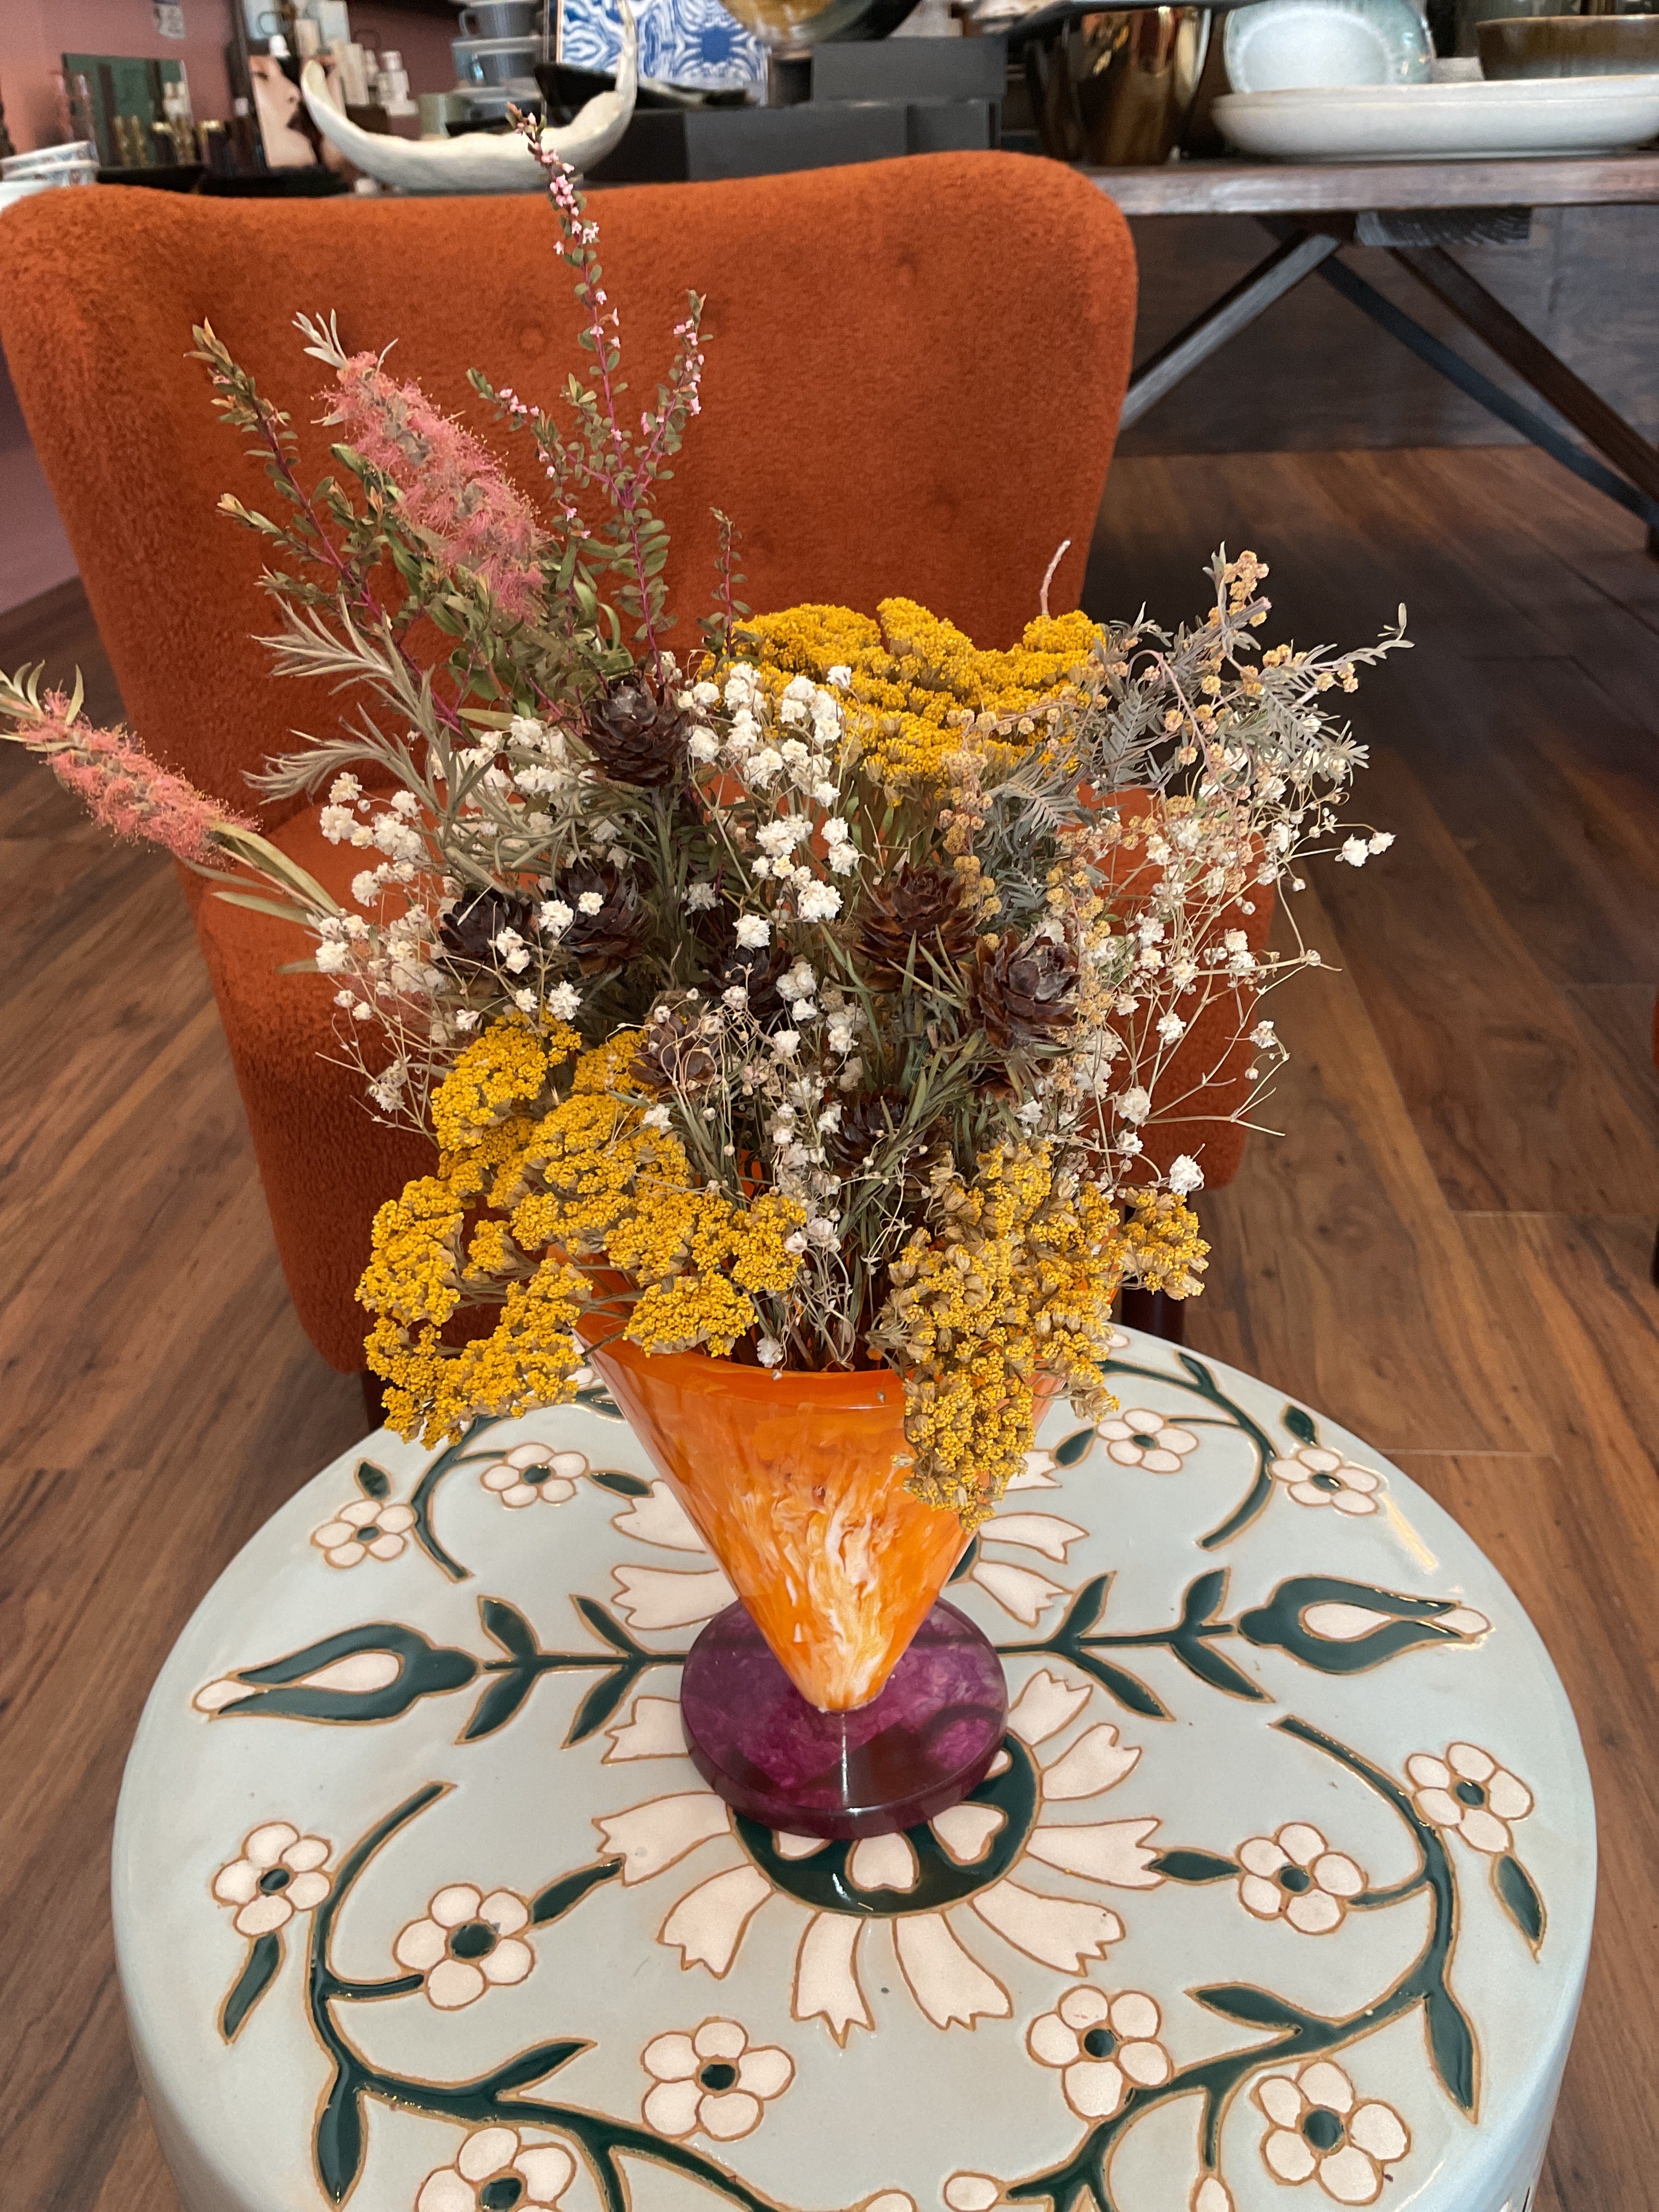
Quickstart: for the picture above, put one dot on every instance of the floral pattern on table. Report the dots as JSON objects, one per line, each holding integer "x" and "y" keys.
{"x": 1005, "y": 1915}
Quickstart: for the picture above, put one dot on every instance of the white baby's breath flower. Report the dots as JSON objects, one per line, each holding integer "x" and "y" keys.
{"x": 365, "y": 886}
{"x": 1134, "y": 1105}
{"x": 699, "y": 897}
{"x": 563, "y": 1002}
{"x": 764, "y": 766}
{"x": 753, "y": 931}
{"x": 333, "y": 956}
{"x": 702, "y": 746}
{"x": 1185, "y": 1175}
{"x": 524, "y": 730}
{"x": 1381, "y": 840}
{"x": 553, "y": 916}
{"x": 705, "y": 695}
{"x": 590, "y": 903}
{"x": 769, "y": 1352}
{"x": 819, "y": 902}
{"x": 656, "y": 1117}
{"x": 1355, "y": 851}
{"x": 840, "y": 674}
{"x": 785, "y": 1042}
{"x": 524, "y": 1000}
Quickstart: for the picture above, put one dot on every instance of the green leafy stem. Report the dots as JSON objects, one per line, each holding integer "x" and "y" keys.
{"x": 284, "y": 1688}
{"x": 1298, "y": 2035}
{"x": 1401, "y": 1623}
{"x": 496, "y": 2098}
{"x": 1195, "y": 1376}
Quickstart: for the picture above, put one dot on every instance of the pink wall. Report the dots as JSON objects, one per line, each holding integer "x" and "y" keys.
{"x": 34, "y": 33}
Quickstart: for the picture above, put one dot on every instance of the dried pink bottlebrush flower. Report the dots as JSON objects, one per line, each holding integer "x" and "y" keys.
{"x": 451, "y": 484}
{"x": 127, "y": 791}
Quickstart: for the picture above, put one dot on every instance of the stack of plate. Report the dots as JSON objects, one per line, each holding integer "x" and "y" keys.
{"x": 22, "y": 175}
{"x": 1350, "y": 80}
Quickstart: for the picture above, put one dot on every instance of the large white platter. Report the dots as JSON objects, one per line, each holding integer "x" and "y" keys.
{"x": 1564, "y": 115}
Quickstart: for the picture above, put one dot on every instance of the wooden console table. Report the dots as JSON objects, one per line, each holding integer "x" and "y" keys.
{"x": 1414, "y": 210}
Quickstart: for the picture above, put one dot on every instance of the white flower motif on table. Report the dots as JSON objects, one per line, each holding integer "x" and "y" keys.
{"x": 972, "y": 2192}
{"x": 1021, "y": 1591}
{"x": 466, "y": 1942}
{"x": 1296, "y": 1874}
{"x": 710, "y": 1919}
{"x": 535, "y": 1474}
{"x": 1315, "y": 1476}
{"x": 714, "y": 2082}
{"x": 1137, "y": 1437}
{"x": 1469, "y": 1791}
{"x": 364, "y": 1529}
{"x": 1104, "y": 2046}
{"x": 1319, "y": 2130}
{"x": 496, "y": 2171}
{"x": 278, "y": 1873}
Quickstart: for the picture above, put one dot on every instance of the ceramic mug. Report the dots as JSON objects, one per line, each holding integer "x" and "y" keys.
{"x": 500, "y": 19}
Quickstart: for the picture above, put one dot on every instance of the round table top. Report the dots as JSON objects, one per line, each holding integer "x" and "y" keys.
{"x": 1283, "y": 1880}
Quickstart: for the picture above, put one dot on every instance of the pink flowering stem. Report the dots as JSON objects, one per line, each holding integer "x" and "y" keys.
{"x": 126, "y": 790}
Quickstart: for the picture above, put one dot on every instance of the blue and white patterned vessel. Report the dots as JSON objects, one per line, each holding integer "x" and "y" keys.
{"x": 686, "y": 42}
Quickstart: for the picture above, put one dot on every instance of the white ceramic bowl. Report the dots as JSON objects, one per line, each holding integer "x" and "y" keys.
{"x": 1449, "y": 122}
{"x": 1278, "y": 46}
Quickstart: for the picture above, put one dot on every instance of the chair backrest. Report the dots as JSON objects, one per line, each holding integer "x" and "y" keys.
{"x": 914, "y": 370}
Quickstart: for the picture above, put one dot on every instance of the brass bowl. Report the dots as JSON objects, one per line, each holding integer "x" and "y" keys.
{"x": 1117, "y": 88}
{"x": 1568, "y": 46}
{"x": 791, "y": 26}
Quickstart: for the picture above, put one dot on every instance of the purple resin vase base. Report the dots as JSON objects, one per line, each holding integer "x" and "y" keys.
{"x": 914, "y": 1751}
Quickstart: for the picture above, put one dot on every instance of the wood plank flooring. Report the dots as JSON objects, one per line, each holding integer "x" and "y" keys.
{"x": 1448, "y": 1250}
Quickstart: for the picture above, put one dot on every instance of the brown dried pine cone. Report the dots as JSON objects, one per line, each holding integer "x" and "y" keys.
{"x": 1024, "y": 995}
{"x": 636, "y": 735}
{"x": 910, "y": 921}
{"x": 616, "y": 932}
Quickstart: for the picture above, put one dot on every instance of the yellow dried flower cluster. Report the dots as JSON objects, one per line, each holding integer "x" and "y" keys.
{"x": 917, "y": 682}
{"x": 1018, "y": 1280}
{"x": 580, "y": 1175}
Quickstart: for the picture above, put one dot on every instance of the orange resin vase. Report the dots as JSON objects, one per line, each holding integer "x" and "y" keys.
{"x": 791, "y": 1480}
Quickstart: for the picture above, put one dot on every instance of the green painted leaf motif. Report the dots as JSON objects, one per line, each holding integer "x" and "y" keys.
{"x": 374, "y": 1481}
{"x": 1299, "y": 1424}
{"x": 604, "y": 1625}
{"x": 534, "y": 2065}
{"x": 1198, "y": 1373}
{"x": 499, "y": 1701}
{"x": 1193, "y": 1866}
{"x": 1085, "y": 1609}
{"x": 1252, "y": 2008}
{"x": 1204, "y": 1596}
{"x": 509, "y": 1627}
{"x": 615, "y": 1478}
{"x": 1451, "y": 2046}
{"x": 601, "y": 1701}
{"x": 597, "y": 1400}
{"x": 1203, "y": 1660}
{"x": 1402, "y": 1624}
{"x": 570, "y": 1889}
{"x": 340, "y": 2136}
{"x": 264, "y": 1955}
{"x": 425, "y": 1669}
{"x": 1127, "y": 1688}
{"x": 1518, "y": 1897}
{"x": 1073, "y": 1450}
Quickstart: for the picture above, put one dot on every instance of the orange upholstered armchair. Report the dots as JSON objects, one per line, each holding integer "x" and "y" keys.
{"x": 915, "y": 373}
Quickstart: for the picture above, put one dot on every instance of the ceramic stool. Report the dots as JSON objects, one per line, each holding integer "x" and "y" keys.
{"x": 1278, "y": 1893}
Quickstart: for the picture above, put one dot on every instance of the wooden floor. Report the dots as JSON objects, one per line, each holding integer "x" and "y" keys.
{"x": 1449, "y": 1251}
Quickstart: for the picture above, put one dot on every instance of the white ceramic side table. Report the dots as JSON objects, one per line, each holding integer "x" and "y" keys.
{"x": 1279, "y": 1894}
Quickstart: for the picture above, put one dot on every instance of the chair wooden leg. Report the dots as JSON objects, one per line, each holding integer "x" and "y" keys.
{"x": 1154, "y": 1313}
{"x": 373, "y": 1405}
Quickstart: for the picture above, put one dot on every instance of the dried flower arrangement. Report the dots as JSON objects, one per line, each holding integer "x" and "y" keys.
{"x": 804, "y": 997}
